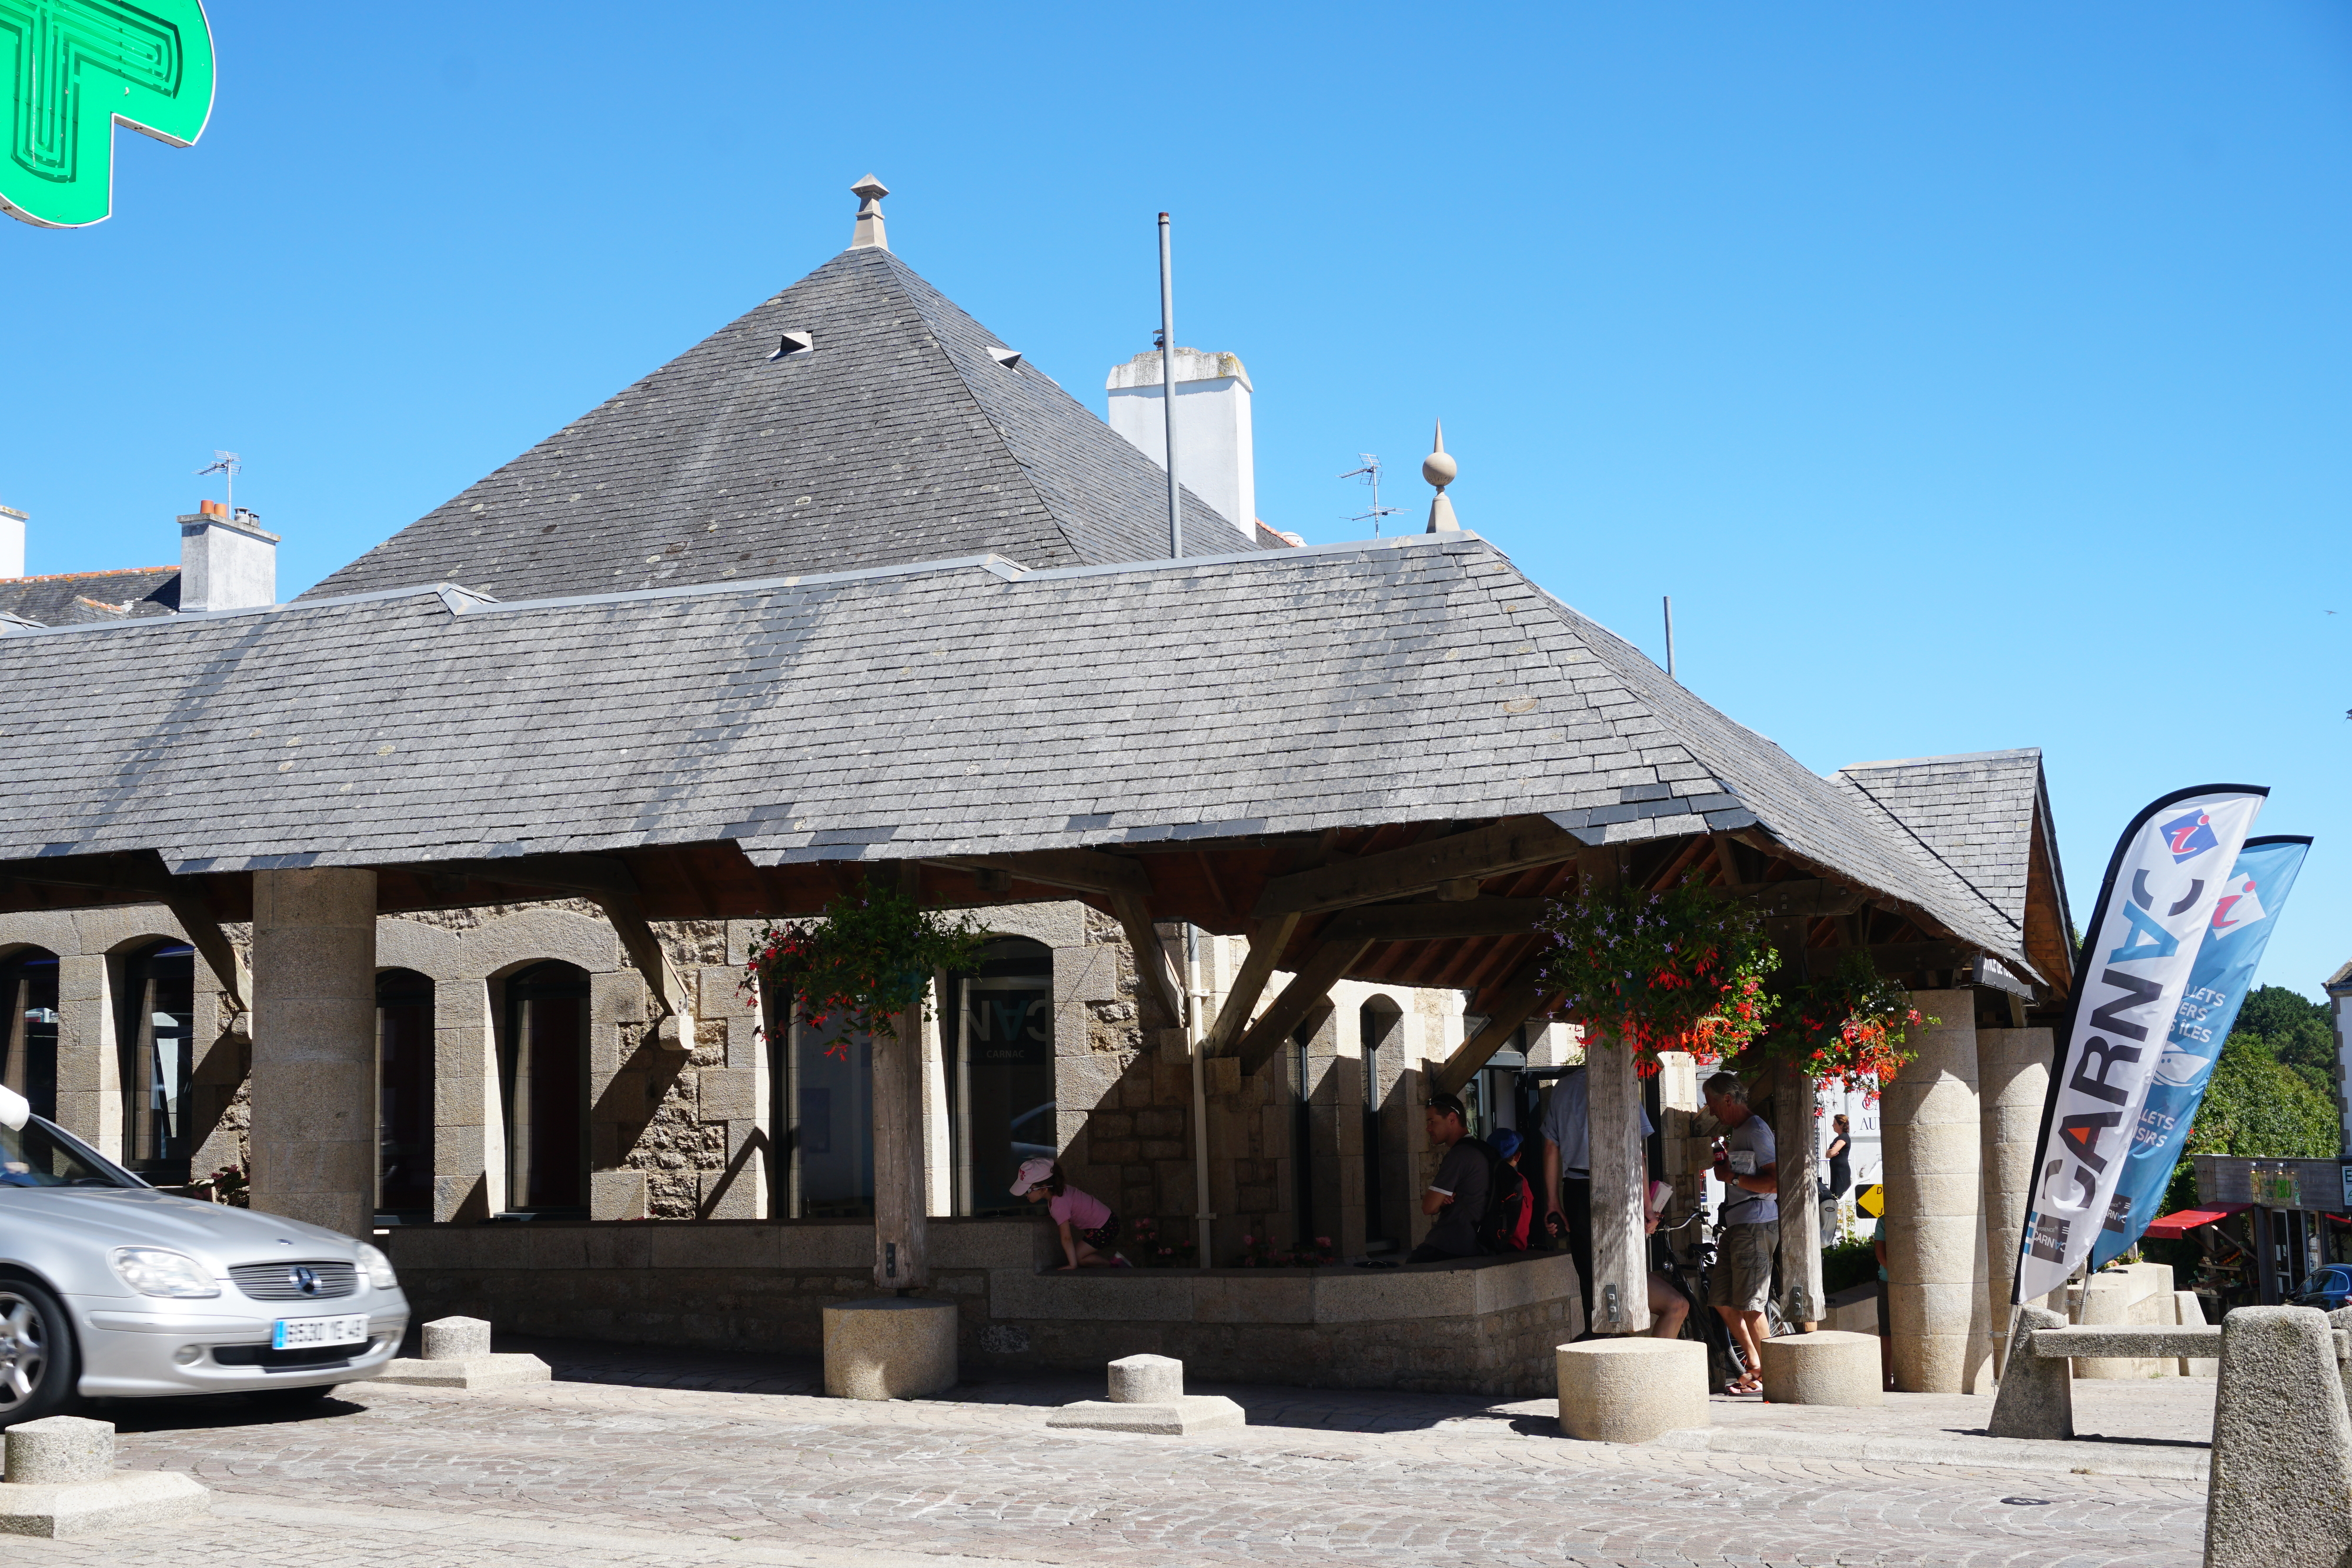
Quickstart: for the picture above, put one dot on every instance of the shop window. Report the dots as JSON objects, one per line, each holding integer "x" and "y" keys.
{"x": 823, "y": 1080}
{"x": 404, "y": 1104}
{"x": 155, "y": 1029}
{"x": 1380, "y": 1023}
{"x": 544, "y": 1065}
{"x": 998, "y": 1034}
{"x": 28, "y": 1035}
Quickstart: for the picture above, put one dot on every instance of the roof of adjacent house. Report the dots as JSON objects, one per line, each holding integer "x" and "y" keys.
{"x": 951, "y": 709}
{"x": 82, "y": 597}
{"x": 1985, "y": 815}
{"x": 895, "y": 437}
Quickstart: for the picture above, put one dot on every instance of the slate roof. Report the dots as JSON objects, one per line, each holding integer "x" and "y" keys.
{"x": 84, "y": 598}
{"x": 897, "y": 439}
{"x": 1974, "y": 813}
{"x": 955, "y": 707}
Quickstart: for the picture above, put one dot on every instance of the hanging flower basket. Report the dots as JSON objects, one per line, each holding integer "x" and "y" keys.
{"x": 1678, "y": 970}
{"x": 868, "y": 959}
{"x": 1847, "y": 1030}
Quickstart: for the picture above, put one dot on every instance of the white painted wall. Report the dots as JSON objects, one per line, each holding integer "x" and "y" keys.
{"x": 12, "y": 541}
{"x": 1214, "y": 455}
{"x": 228, "y": 565}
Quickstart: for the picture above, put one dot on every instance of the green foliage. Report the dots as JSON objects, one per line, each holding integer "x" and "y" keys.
{"x": 870, "y": 958}
{"x": 1847, "y": 1264}
{"x": 2258, "y": 1105}
{"x": 1678, "y": 970}
{"x": 2297, "y": 1031}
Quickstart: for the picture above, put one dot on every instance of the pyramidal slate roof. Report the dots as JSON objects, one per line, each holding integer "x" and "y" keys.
{"x": 84, "y": 598}
{"x": 956, "y": 707}
{"x": 895, "y": 437}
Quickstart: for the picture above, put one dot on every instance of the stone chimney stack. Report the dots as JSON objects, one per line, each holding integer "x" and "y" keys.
{"x": 12, "y": 542}
{"x": 1213, "y": 426}
{"x": 227, "y": 562}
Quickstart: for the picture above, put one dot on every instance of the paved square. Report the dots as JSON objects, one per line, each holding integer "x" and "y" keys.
{"x": 637, "y": 1457}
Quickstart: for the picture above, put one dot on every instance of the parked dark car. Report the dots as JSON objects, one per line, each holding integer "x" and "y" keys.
{"x": 2328, "y": 1289}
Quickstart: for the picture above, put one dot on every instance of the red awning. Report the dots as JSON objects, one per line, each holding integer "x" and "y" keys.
{"x": 2173, "y": 1227}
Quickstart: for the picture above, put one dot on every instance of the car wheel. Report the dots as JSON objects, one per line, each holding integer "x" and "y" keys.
{"x": 38, "y": 1371}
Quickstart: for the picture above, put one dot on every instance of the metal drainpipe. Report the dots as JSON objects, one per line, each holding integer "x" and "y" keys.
{"x": 1194, "y": 998}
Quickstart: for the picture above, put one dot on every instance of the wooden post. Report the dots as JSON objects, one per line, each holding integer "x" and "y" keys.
{"x": 1620, "y": 1252}
{"x": 1794, "y": 1103}
{"x": 899, "y": 1259}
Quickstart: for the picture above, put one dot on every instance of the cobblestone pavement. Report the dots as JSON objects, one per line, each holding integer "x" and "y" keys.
{"x": 653, "y": 1458}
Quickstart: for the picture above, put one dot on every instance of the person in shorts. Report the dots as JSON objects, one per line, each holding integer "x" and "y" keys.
{"x": 1088, "y": 1228}
{"x": 1741, "y": 1281}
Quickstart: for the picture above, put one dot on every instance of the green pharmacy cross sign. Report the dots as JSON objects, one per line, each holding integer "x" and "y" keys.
{"x": 76, "y": 68}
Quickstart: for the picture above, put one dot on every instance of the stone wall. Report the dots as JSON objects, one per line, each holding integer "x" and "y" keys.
{"x": 1486, "y": 1327}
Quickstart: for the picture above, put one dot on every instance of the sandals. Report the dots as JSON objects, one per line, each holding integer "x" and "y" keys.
{"x": 1747, "y": 1383}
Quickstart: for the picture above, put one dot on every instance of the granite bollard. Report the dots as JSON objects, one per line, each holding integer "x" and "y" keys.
{"x": 1828, "y": 1366}
{"x": 2280, "y": 1492}
{"x": 457, "y": 1355}
{"x": 2036, "y": 1397}
{"x": 1631, "y": 1390}
{"x": 61, "y": 1482}
{"x": 890, "y": 1347}
{"x": 1147, "y": 1396}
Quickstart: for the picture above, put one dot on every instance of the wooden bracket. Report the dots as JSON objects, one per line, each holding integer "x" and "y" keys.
{"x": 1517, "y": 845}
{"x": 1519, "y": 999}
{"x": 609, "y": 884}
{"x": 1267, "y": 938}
{"x": 1316, "y": 976}
{"x": 145, "y": 874}
{"x": 1152, "y": 968}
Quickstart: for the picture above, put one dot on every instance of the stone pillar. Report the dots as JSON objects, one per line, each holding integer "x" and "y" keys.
{"x": 89, "y": 1064}
{"x": 2013, "y": 1076}
{"x": 1621, "y": 1255}
{"x": 1794, "y": 1101}
{"x": 1935, "y": 1206}
{"x": 314, "y": 1069}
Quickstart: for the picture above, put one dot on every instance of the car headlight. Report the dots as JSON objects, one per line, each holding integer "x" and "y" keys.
{"x": 158, "y": 1271}
{"x": 378, "y": 1268}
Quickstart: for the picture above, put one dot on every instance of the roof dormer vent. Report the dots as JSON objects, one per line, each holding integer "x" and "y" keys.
{"x": 1009, "y": 357}
{"x": 794, "y": 345}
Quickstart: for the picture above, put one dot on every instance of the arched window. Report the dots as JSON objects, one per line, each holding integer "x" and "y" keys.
{"x": 155, "y": 1018}
{"x": 999, "y": 1047}
{"x": 28, "y": 1029}
{"x": 543, "y": 1060}
{"x": 824, "y": 1087}
{"x": 1381, "y": 1024}
{"x": 404, "y": 1104}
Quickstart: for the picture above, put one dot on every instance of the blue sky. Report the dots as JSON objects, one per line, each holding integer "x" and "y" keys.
{"x": 1971, "y": 376}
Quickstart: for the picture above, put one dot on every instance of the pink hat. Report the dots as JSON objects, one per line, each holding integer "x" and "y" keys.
{"x": 1033, "y": 1172}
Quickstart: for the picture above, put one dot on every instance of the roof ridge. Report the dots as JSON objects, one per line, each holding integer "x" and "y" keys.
{"x": 2034, "y": 751}
{"x": 1914, "y": 835}
{"x": 82, "y": 576}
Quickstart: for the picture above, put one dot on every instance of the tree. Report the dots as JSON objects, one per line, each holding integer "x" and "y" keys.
{"x": 2258, "y": 1105}
{"x": 2296, "y": 1031}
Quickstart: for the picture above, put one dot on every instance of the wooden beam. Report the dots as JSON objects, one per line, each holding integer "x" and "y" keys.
{"x": 1437, "y": 922}
{"x": 1514, "y": 845}
{"x": 1084, "y": 871}
{"x": 1521, "y": 999}
{"x": 1152, "y": 969}
{"x": 1267, "y": 938}
{"x": 146, "y": 875}
{"x": 1811, "y": 898}
{"x": 1893, "y": 958}
{"x": 1306, "y": 991}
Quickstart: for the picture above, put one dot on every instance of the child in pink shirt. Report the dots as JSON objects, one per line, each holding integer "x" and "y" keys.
{"x": 1088, "y": 1226}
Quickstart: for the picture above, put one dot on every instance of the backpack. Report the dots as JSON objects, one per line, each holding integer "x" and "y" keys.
{"x": 1510, "y": 1205}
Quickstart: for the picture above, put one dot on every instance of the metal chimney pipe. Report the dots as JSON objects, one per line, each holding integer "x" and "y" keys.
{"x": 1168, "y": 388}
{"x": 1670, "y": 636}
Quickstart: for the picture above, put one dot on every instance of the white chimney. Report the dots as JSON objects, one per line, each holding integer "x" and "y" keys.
{"x": 1214, "y": 457}
{"x": 227, "y": 562}
{"x": 12, "y": 542}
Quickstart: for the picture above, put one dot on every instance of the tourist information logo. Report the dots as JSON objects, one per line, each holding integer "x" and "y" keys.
{"x": 76, "y": 69}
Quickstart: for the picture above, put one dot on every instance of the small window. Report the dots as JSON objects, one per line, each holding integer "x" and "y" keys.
{"x": 155, "y": 1020}
{"x": 28, "y": 1032}
{"x": 794, "y": 345}
{"x": 544, "y": 1063}
{"x": 1009, "y": 357}
{"x": 404, "y": 1034}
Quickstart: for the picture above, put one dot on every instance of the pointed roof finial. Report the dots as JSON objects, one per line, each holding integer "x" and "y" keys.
{"x": 1439, "y": 469}
{"x": 869, "y": 234}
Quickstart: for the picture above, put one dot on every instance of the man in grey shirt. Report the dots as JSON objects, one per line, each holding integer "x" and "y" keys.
{"x": 1568, "y": 1168}
{"x": 1741, "y": 1281}
{"x": 1457, "y": 1194}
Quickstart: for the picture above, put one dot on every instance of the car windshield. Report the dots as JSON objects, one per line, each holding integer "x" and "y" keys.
{"x": 42, "y": 1154}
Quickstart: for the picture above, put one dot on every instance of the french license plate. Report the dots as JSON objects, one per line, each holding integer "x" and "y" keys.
{"x": 301, "y": 1333}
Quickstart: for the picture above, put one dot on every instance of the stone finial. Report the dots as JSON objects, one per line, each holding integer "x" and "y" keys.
{"x": 869, "y": 233}
{"x": 1439, "y": 468}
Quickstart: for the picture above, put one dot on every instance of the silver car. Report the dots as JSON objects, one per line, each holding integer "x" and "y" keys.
{"x": 110, "y": 1290}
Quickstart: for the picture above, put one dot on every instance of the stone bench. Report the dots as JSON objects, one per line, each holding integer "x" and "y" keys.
{"x": 2037, "y": 1395}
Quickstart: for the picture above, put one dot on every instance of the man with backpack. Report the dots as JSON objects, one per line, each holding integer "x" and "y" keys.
{"x": 1458, "y": 1194}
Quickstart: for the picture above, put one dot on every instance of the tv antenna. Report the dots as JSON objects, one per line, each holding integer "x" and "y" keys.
{"x": 226, "y": 464}
{"x": 1371, "y": 476}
